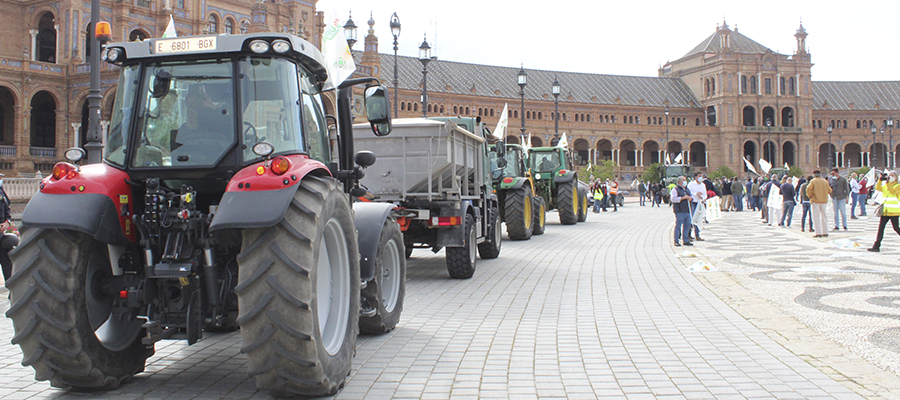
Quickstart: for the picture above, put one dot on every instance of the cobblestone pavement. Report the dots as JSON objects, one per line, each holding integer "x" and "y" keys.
{"x": 602, "y": 308}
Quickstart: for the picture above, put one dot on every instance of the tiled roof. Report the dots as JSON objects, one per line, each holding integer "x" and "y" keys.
{"x": 739, "y": 44}
{"x": 493, "y": 81}
{"x": 863, "y": 95}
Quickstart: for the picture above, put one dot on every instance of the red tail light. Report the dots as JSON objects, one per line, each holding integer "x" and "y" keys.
{"x": 63, "y": 170}
{"x": 507, "y": 180}
{"x": 445, "y": 221}
{"x": 280, "y": 165}
{"x": 562, "y": 172}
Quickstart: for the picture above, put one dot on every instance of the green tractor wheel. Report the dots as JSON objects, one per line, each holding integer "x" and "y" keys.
{"x": 567, "y": 202}
{"x": 540, "y": 215}
{"x": 518, "y": 209}
{"x": 582, "y": 204}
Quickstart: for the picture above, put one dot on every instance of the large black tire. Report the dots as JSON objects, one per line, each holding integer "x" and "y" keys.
{"x": 567, "y": 202}
{"x": 461, "y": 260}
{"x": 56, "y": 307}
{"x": 540, "y": 216}
{"x": 490, "y": 248}
{"x": 298, "y": 292}
{"x": 385, "y": 293}
{"x": 518, "y": 210}
{"x": 582, "y": 204}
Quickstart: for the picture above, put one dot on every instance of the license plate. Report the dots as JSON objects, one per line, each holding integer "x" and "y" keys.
{"x": 186, "y": 45}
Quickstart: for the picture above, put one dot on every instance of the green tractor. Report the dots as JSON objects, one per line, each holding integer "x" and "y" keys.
{"x": 521, "y": 208}
{"x": 556, "y": 182}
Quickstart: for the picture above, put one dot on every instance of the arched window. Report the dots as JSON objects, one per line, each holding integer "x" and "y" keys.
{"x": 179, "y": 4}
{"x": 245, "y": 26}
{"x": 479, "y": 112}
{"x": 858, "y": 124}
{"x": 442, "y": 108}
{"x": 540, "y": 115}
{"x": 712, "y": 83}
{"x": 213, "y": 23}
{"x": 467, "y": 110}
{"x": 137, "y": 35}
{"x": 515, "y": 113}
{"x": 791, "y": 86}
{"x": 492, "y": 112}
{"x": 697, "y": 122}
{"x": 743, "y": 84}
{"x": 415, "y": 106}
{"x": 782, "y": 86}
{"x": 43, "y": 120}
{"x": 845, "y": 124}
{"x": 46, "y": 39}
{"x": 749, "y": 115}
{"x": 455, "y": 110}
{"x": 528, "y": 114}
{"x": 753, "y": 84}
{"x": 229, "y": 26}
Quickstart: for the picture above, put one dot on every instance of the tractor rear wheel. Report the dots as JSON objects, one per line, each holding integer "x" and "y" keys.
{"x": 567, "y": 202}
{"x": 461, "y": 260}
{"x": 518, "y": 209}
{"x": 298, "y": 293}
{"x": 540, "y": 215}
{"x": 582, "y": 204}
{"x": 385, "y": 293}
{"x": 71, "y": 332}
{"x": 490, "y": 248}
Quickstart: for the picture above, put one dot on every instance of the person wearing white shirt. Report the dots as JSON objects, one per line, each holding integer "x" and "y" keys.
{"x": 775, "y": 201}
{"x": 698, "y": 196}
{"x": 854, "y": 194}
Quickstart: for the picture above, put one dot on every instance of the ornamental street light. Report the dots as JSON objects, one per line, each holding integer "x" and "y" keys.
{"x": 424, "y": 58}
{"x": 891, "y": 156}
{"x": 769, "y": 156}
{"x": 522, "y": 80}
{"x": 875, "y": 158}
{"x": 555, "y": 90}
{"x": 395, "y": 31}
{"x": 350, "y": 31}
{"x": 666, "y": 152}
{"x": 830, "y": 153}
{"x": 94, "y": 146}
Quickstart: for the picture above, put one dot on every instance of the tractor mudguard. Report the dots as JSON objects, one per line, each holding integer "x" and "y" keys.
{"x": 369, "y": 220}
{"x": 567, "y": 177}
{"x": 454, "y": 236}
{"x": 91, "y": 213}
{"x": 515, "y": 184}
{"x": 257, "y": 198}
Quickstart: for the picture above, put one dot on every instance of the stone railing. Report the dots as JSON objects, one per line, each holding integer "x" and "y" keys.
{"x": 21, "y": 188}
{"x": 774, "y": 129}
{"x": 48, "y": 152}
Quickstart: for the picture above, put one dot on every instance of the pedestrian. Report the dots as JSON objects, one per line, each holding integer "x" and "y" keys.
{"x": 840, "y": 190}
{"x": 642, "y": 191}
{"x": 889, "y": 187}
{"x": 863, "y": 196}
{"x": 754, "y": 194}
{"x": 605, "y": 190}
{"x": 658, "y": 190}
{"x": 8, "y": 240}
{"x": 764, "y": 199}
{"x": 774, "y": 201}
{"x": 727, "y": 194}
{"x": 818, "y": 191}
{"x": 613, "y": 190}
{"x": 804, "y": 201}
{"x": 737, "y": 191}
{"x": 788, "y": 195}
{"x": 854, "y": 194}
{"x": 698, "y": 197}
{"x": 598, "y": 198}
{"x": 680, "y": 198}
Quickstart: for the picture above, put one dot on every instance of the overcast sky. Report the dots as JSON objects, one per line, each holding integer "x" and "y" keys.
{"x": 848, "y": 40}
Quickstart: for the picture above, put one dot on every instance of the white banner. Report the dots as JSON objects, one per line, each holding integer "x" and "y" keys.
{"x": 500, "y": 130}
{"x": 765, "y": 165}
{"x": 338, "y": 60}
{"x": 750, "y": 166}
{"x": 170, "y": 30}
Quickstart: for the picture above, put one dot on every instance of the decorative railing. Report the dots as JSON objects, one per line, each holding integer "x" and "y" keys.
{"x": 42, "y": 152}
{"x": 9, "y": 151}
{"x": 21, "y": 188}
{"x": 774, "y": 129}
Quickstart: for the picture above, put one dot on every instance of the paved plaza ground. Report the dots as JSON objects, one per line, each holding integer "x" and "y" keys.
{"x": 605, "y": 308}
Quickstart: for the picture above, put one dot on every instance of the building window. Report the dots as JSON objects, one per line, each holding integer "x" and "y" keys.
{"x": 753, "y": 84}
{"x": 142, "y": 3}
{"x": 179, "y": 4}
{"x": 743, "y": 84}
{"x": 783, "y": 86}
{"x": 229, "y": 26}
{"x": 137, "y": 35}
{"x": 768, "y": 85}
{"x": 213, "y": 23}
{"x": 245, "y": 26}
{"x": 46, "y": 39}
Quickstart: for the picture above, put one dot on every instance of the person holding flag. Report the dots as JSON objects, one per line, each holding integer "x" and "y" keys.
{"x": 890, "y": 188}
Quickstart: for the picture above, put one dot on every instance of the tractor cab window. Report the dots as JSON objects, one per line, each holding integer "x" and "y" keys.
{"x": 512, "y": 163}
{"x": 314, "y": 127}
{"x": 122, "y": 113}
{"x": 545, "y": 162}
{"x": 187, "y": 114}
{"x": 271, "y": 105}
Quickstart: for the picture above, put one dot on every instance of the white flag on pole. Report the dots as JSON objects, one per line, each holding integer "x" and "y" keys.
{"x": 786, "y": 166}
{"x": 870, "y": 177}
{"x": 170, "y": 29}
{"x": 500, "y": 131}
{"x": 338, "y": 60}
{"x": 750, "y": 166}
{"x": 563, "y": 142}
{"x": 765, "y": 165}
{"x": 678, "y": 159}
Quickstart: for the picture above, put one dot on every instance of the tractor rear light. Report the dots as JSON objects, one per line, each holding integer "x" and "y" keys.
{"x": 562, "y": 172}
{"x": 445, "y": 221}
{"x": 508, "y": 180}
{"x": 123, "y": 294}
{"x": 280, "y": 165}
{"x": 63, "y": 170}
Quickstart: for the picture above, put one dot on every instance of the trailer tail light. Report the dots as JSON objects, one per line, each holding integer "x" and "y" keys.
{"x": 280, "y": 165}
{"x": 508, "y": 180}
{"x": 63, "y": 170}
{"x": 445, "y": 221}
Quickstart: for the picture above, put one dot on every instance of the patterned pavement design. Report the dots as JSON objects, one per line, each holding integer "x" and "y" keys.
{"x": 602, "y": 308}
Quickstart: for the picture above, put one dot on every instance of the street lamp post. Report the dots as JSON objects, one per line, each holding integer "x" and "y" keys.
{"x": 830, "y": 153}
{"x": 425, "y": 58}
{"x": 555, "y": 90}
{"x": 771, "y": 157}
{"x": 395, "y": 31}
{"x": 350, "y": 31}
{"x": 522, "y": 80}
{"x": 666, "y": 152}
{"x": 874, "y": 158}
{"x": 891, "y": 156}
{"x": 94, "y": 146}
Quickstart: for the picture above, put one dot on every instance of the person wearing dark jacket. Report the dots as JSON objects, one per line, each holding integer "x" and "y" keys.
{"x": 787, "y": 205}
{"x": 8, "y": 241}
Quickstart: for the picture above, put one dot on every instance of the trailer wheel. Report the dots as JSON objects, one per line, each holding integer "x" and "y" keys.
{"x": 540, "y": 215}
{"x": 70, "y": 332}
{"x": 461, "y": 260}
{"x": 385, "y": 293}
{"x": 567, "y": 202}
{"x": 490, "y": 249}
{"x": 518, "y": 209}
{"x": 298, "y": 294}
{"x": 582, "y": 204}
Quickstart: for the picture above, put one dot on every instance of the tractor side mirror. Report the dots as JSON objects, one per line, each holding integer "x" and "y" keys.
{"x": 378, "y": 110}
{"x": 161, "y": 83}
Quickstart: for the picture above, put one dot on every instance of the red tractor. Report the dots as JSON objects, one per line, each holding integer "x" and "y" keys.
{"x": 217, "y": 206}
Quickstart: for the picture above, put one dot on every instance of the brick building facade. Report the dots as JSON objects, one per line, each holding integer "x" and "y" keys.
{"x": 719, "y": 95}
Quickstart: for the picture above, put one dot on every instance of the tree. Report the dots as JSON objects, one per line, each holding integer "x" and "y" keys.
{"x": 651, "y": 174}
{"x": 606, "y": 170}
{"x": 795, "y": 172}
{"x": 722, "y": 172}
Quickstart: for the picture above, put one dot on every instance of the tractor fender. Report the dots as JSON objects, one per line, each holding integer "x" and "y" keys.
{"x": 91, "y": 213}
{"x": 258, "y": 198}
{"x": 566, "y": 177}
{"x": 516, "y": 184}
{"x": 369, "y": 220}
{"x": 454, "y": 236}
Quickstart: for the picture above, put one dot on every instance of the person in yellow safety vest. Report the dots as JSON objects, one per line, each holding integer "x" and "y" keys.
{"x": 613, "y": 193}
{"x": 888, "y": 186}
{"x": 598, "y": 198}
